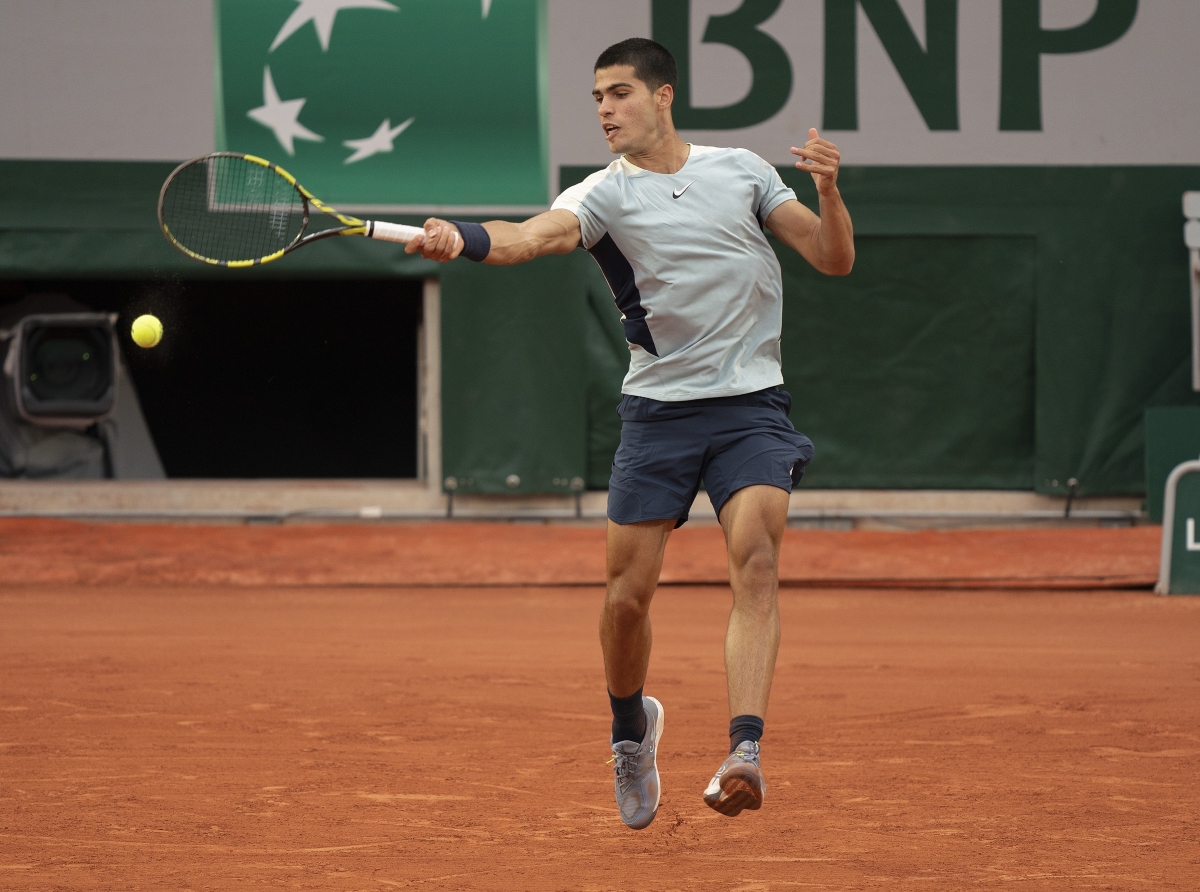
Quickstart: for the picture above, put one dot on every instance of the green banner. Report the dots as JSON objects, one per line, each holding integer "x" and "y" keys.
{"x": 404, "y": 104}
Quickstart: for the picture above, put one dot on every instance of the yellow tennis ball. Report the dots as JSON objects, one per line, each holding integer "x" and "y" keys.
{"x": 146, "y": 331}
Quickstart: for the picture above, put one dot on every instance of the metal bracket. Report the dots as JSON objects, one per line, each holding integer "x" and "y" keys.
{"x": 1191, "y": 238}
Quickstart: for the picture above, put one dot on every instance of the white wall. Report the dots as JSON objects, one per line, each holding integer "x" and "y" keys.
{"x": 133, "y": 79}
{"x": 106, "y": 79}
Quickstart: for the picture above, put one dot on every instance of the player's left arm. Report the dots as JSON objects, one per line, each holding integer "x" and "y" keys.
{"x": 825, "y": 241}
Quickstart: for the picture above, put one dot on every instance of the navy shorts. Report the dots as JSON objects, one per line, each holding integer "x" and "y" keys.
{"x": 728, "y": 442}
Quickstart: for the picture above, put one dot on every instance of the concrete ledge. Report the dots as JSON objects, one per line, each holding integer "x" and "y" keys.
{"x": 216, "y": 496}
{"x": 281, "y": 500}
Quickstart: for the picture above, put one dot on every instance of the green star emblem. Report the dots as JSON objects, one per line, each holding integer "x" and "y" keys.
{"x": 316, "y": 85}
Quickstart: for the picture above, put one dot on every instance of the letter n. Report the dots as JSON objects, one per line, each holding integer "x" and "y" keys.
{"x": 930, "y": 75}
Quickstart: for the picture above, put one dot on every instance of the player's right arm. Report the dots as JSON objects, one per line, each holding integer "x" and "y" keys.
{"x": 554, "y": 232}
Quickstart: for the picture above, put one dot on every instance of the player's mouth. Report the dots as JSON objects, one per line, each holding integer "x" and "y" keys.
{"x": 610, "y": 130}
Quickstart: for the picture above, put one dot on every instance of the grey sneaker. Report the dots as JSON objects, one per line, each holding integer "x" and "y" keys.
{"x": 738, "y": 783}
{"x": 635, "y": 770}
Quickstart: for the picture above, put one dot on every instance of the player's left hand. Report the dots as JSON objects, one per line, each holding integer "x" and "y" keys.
{"x": 821, "y": 158}
{"x": 442, "y": 241}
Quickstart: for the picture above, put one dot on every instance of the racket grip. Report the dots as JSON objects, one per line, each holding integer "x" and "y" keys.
{"x": 393, "y": 232}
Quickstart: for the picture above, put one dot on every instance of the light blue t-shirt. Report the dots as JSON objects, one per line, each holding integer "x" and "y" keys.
{"x": 699, "y": 288}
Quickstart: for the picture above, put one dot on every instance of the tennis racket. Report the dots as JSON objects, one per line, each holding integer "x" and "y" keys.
{"x": 236, "y": 210}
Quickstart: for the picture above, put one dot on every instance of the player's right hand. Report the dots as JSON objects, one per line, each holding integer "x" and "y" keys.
{"x": 442, "y": 241}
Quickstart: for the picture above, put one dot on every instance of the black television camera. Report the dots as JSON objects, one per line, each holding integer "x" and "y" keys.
{"x": 68, "y": 406}
{"x": 63, "y": 368}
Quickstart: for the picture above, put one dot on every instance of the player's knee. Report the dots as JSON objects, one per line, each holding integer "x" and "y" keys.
{"x": 754, "y": 559}
{"x": 627, "y": 604}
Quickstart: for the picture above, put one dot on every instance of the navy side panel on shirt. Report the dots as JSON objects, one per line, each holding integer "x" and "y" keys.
{"x": 624, "y": 287}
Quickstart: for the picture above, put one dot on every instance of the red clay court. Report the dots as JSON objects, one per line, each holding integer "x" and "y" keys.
{"x": 422, "y": 706}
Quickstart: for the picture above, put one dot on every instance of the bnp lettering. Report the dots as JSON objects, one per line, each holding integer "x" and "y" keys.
{"x": 928, "y": 69}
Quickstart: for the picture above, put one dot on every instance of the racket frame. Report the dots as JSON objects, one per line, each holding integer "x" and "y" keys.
{"x": 350, "y": 225}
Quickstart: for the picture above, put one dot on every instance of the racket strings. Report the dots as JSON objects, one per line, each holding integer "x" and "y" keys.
{"x": 228, "y": 209}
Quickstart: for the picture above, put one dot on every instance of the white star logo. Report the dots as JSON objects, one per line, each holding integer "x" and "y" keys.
{"x": 322, "y": 13}
{"x": 281, "y": 116}
{"x": 379, "y": 141}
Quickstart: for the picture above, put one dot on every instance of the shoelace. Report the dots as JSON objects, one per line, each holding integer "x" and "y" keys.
{"x": 746, "y": 757}
{"x": 623, "y": 767}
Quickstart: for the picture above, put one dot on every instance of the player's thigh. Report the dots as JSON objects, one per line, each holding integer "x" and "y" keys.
{"x": 656, "y": 472}
{"x": 634, "y": 557}
{"x": 755, "y": 448}
{"x": 754, "y": 519}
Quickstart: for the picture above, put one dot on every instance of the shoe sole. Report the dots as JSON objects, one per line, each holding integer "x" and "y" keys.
{"x": 741, "y": 788}
{"x": 657, "y": 731}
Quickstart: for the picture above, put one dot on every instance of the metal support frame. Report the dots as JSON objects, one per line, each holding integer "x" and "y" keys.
{"x": 429, "y": 388}
{"x": 570, "y": 508}
{"x": 1168, "y": 535}
{"x": 1191, "y": 237}
{"x": 1195, "y": 252}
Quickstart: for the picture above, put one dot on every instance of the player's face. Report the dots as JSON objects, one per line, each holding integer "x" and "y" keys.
{"x": 629, "y": 111}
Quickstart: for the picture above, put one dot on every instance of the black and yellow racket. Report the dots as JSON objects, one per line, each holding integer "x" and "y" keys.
{"x": 236, "y": 210}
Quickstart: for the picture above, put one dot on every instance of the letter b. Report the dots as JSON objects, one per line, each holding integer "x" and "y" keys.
{"x": 771, "y": 71}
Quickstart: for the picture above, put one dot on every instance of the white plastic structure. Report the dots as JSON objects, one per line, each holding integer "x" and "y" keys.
{"x": 1168, "y": 533}
{"x": 1191, "y": 237}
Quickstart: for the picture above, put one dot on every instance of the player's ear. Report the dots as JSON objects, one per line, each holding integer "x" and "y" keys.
{"x": 664, "y": 96}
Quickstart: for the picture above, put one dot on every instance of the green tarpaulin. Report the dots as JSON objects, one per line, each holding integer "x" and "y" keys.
{"x": 1003, "y": 328}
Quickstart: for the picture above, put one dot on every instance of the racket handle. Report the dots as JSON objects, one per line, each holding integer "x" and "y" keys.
{"x": 392, "y": 232}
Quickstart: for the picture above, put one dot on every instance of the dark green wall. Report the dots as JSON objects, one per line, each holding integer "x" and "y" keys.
{"x": 514, "y": 376}
{"x": 917, "y": 370}
{"x": 1111, "y": 318}
{"x": 1003, "y": 327}
{"x": 63, "y": 219}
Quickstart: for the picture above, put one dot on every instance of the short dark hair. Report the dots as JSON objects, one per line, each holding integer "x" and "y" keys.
{"x": 652, "y": 62}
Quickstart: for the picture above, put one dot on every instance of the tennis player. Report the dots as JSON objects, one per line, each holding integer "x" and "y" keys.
{"x": 677, "y": 230}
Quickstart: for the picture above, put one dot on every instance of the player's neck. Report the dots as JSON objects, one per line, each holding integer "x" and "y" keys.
{"x": 667, "y": 155}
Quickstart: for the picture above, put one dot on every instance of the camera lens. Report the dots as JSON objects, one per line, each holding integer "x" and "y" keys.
{"x": 68, "y": 363}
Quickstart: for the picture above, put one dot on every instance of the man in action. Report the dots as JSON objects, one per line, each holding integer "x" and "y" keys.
{"x": 677, "y": 230}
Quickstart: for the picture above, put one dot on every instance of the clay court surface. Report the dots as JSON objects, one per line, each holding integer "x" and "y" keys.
{"x": 209, "y": 730}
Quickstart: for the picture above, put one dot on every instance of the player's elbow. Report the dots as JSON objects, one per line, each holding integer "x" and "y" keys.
{"x": 839, "y": 264}
{"x": 842, "y": 267}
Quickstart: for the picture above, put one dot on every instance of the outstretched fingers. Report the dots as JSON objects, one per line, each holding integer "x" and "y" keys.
{"x": 818, "y": 156}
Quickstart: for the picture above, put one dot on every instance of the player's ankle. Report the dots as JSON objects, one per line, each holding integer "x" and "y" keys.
{"x": 744, "y": 728}
{"x": 629, "y": 717}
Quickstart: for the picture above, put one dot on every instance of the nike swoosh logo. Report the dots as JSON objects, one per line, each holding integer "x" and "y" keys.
{"x": 679, "y": 192}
